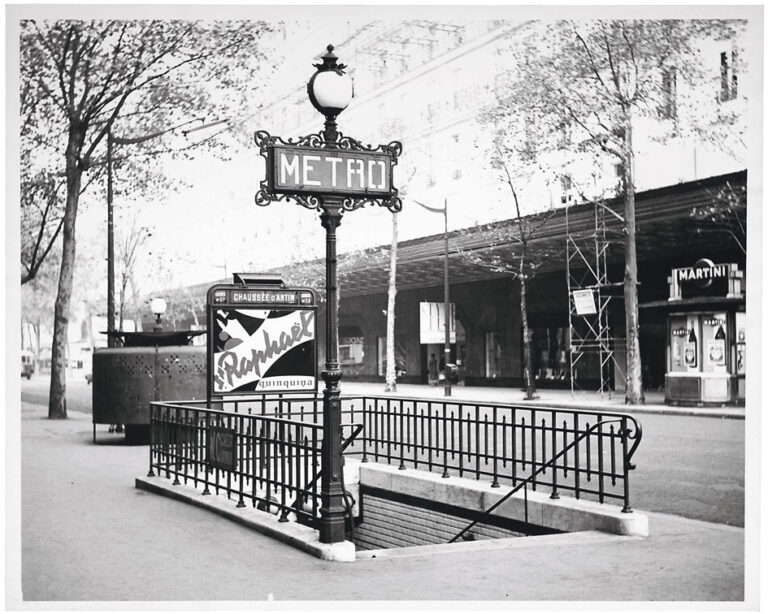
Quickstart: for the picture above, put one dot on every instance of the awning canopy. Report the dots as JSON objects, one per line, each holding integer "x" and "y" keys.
{"x": 698, "y": 302}
{"x": 664, "y": 225}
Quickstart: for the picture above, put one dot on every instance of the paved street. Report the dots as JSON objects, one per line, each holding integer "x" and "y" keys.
{"x": 88, "y": 535}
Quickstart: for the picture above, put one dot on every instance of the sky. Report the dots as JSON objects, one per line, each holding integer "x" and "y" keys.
{"x": 211, "y": 227}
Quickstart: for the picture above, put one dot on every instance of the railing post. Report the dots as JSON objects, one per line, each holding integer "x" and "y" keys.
{"x": 206, "y": 472}
{"x": 366, "y": 429}
{"x": 445, "y": 438}
{"x": 176, "y": 454}
{"x": 151, "y": 473}
{"x": 495, "y": 483}
{"x": 553, "y": 418}
{"x": 403, "y": 438}
{"x": 624, "y": 442}
{"x": 600, "y": 466}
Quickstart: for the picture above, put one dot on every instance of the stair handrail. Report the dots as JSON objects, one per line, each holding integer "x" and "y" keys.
{"x": 524, "y": 482}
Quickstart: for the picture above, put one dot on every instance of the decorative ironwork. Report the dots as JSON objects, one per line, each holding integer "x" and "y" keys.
{"x": 264, "y": 198}
{"x": 266, "y": 141}
{"x": 394, "y": 203}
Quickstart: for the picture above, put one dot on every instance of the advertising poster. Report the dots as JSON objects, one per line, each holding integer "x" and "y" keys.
{"x": 584, "y": 302}
{"x": 263, "y": 350}
{"x": 679, "y": 332}
{"x": 741, "y": 345}
{"x": 714, "y": 342}
{"x": 432, "y": 322}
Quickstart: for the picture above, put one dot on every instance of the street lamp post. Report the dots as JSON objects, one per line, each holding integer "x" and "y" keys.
{"x": 447, "y": 301}
{"x": 329, "y": 173}
{"x": 446, "y": 292}
{"x": 330, "y": 91}
{"x": 111, "y": 339}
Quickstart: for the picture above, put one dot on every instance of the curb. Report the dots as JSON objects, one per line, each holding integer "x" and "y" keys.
{"x": 715, "y": 412}
{"x": 670, "y": 410}
{"x": 293, "y": 534}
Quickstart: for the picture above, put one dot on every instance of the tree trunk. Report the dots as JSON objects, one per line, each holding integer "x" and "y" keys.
{"x": 122, "y": 308}
{"x": 391, "y": 374}
{"x": 530, "y": 388}
{"x": 634, "y": 386}
{"x": 36, "y": 330}
{"x": 57, "y": 403}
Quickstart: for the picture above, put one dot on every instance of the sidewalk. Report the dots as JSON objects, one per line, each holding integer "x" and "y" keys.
{"x": 654, "y": 400}
{"x": 88, "y": 535}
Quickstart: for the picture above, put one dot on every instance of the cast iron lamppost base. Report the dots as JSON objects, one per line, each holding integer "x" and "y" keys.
{"x": 330, "y": 91}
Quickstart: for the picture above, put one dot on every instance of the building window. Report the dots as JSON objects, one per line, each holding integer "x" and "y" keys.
{"x": 729, "y": 81}
{"x": 351, "y": 345}
{"x": 492, "y": 354}
{"x": 668, "y": 108}
{"x": 550, "y": 353}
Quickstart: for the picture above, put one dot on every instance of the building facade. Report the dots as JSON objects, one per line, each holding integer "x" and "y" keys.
{"x": 425, "y": 83}
{"x": 487, "y": 336}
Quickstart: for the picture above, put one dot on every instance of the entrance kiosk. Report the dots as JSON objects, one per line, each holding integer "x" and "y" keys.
{"x": 263, "y": 338}
{"x": 706, "y": 335}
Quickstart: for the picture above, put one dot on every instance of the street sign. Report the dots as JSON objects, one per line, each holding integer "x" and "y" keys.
{"x": 329, "y": 171}
{"x": 221, "y": 451}
{"x": 584, "y": 301}
{"x": 263, "y": 340}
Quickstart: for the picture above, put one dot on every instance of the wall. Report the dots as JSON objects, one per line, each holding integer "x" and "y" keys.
{"x": 389, "y": 523}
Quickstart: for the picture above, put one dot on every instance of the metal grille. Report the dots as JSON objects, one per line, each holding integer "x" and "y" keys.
{"x": 274, "y": 463}
{"x": 587, "y": 453}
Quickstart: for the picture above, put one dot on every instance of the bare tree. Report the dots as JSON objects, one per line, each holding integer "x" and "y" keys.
{"x": 130, "y": 242}
{"x": 390, "y": 377}
{"x": 598, "y": 78}
{"x": 82, "y": 77}
{"x": 725, "y": 213}
{"x": 521, "y": 262}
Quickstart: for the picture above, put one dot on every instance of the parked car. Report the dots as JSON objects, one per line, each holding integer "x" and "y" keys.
{"x": 27, "y": 364}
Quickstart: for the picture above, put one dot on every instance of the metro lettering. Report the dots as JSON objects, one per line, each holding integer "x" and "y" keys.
{"x": 292, "y": 167}
{"x": 308, "y": 168}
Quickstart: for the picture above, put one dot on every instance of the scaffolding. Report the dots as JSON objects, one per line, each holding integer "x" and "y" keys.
{"x": 590, "y": 294}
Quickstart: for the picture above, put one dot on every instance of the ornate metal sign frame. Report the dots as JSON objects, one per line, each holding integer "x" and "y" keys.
{"x": 266, "y": 195}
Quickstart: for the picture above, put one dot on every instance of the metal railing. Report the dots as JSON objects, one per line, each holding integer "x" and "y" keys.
{"x": 260, "y": 457}
{"x": 524, "y": 483}
{"x": 503, "y": 443}
{"x": 587, "y": 453}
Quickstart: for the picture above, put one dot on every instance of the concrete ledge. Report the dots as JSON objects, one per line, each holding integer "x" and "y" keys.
{"x": 564, "y": 514}
{"x": 299, "y": 536}
{"x": 490, "y": 545}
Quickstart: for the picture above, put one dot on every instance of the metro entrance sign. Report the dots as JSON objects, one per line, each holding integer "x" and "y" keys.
{"x": 313, "y": 171}
{"x": 332, "y": 174}
{"x": 304, "y": 169}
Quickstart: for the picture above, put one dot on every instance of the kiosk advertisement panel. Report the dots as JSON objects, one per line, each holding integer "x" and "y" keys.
{"x": 263, "y": 340}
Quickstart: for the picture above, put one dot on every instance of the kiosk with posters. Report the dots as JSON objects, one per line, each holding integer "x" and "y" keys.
{"x": 706, "y": 335}
{"x": 263, "y": 338}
